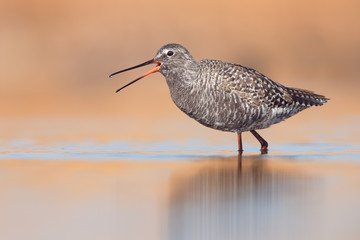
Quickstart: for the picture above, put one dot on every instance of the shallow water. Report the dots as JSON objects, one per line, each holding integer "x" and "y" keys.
{"x": 178, "y": 190}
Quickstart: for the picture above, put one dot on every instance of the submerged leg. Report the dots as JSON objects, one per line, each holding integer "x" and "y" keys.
{"x": 240, "y": 148}
{"x": 264, "y": 144}
{"x": 239, "y": 162}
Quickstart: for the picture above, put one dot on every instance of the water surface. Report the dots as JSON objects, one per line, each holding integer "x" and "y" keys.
{"x": 127, "y": 190}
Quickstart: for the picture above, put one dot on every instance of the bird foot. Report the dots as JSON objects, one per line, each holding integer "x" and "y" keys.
{"x": 264, "y": 150}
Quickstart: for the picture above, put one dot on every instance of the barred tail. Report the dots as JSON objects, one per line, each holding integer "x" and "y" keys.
{"x": 306, "y": 98}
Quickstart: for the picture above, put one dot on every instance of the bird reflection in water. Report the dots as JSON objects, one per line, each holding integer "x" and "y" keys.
{"x": 242, "y": 196}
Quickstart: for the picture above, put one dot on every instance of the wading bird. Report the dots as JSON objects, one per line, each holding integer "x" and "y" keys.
{"x": 226, "y": 96}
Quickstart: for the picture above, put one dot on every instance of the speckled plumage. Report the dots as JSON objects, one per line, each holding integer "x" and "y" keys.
{"x": 226, "y": 96}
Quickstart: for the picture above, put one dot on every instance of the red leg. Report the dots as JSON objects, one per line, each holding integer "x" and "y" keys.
{"x": 264, "y": 144}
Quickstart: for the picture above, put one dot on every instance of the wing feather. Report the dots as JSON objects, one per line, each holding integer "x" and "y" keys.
{"x": 253, "y": 87}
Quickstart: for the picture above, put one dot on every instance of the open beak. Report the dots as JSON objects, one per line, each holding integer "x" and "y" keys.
{"x": 156, "y": 69}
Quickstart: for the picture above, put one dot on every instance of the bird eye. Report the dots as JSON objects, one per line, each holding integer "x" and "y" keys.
{"x": 170, "y": 53}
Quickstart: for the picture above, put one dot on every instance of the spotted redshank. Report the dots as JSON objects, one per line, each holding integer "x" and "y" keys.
{"x": 226, "y": 96}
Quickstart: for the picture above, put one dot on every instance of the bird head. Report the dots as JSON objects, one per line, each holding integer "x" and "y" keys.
{"x": 170, "y": 60}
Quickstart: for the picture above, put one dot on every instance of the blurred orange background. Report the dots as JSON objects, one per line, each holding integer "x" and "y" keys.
{"x": 56, "y": 57}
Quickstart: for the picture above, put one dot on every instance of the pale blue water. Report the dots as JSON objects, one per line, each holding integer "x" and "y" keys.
{"x": 171, "y": 150}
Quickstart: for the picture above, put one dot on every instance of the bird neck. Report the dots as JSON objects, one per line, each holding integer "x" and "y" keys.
{"x": 181, "y": 79}
{"x": 183, "y": 73}
{"x": 183, "y": 85}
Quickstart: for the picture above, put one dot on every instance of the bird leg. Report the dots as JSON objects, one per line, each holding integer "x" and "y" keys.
{"x": 240, "y": 148}
{"x": 264, "y": 144}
